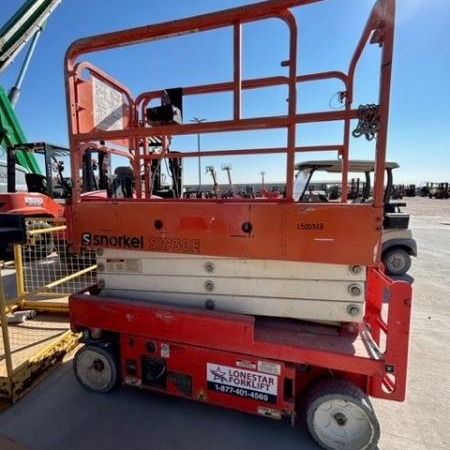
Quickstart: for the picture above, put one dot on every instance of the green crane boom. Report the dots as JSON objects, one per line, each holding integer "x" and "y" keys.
{"x": 11, "y": 133}
{"x": 25, "y": 24}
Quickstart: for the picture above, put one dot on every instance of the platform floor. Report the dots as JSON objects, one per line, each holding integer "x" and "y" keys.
{"x": 30, "y": 337}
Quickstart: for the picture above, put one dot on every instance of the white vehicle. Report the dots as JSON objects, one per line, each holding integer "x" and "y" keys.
{"x": 398, "y": 242}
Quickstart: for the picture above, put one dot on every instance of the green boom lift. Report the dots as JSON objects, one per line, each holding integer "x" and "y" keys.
{"x": 26, "y": 24}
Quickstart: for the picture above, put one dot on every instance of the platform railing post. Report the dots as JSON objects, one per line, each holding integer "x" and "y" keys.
{"x": 5, "y": 334}
{"x": 20, "y": 283}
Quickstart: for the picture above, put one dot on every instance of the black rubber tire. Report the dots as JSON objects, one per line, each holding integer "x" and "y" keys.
{"x": 397, "y": 261}
{"x": 95, "y": 368}
{"x": 347, "y": 409}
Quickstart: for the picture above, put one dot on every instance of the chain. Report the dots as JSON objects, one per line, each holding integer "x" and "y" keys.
{"x": 369, "y": 121}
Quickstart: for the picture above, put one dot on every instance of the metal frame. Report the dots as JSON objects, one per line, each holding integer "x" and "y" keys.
{"x": 273, "y": 217}
{"x": 49, "y": 151}
{"x": 382, "y": 13}
{"x": 373, "y": 355}
{"x": 20, "y": 374}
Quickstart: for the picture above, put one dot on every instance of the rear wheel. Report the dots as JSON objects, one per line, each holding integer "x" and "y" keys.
{"x": 96, "y": 368}
{"x": 397, "y": 261}
{"x": 340, "y": 416}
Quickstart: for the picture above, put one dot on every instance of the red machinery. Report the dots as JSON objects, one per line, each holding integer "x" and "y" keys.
{"x": 248, "y": 303}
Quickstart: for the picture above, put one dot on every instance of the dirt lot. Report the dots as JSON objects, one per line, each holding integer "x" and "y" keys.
{"x": 422, "y": 422}
{"x": 60, "y": 414}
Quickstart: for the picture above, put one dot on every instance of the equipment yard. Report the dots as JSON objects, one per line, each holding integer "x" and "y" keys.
{"x": 318, "y": 305}
{"x": 59, "y": 413}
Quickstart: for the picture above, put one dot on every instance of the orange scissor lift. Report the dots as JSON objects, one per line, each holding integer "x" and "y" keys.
{"x": 248, "y": 303}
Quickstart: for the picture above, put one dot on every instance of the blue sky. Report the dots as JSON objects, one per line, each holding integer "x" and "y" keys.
{"x": 419, "y": 131}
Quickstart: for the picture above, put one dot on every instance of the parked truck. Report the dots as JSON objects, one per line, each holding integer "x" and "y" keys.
{"x": 253, "y": 304}
{"x": 398, "y": 244}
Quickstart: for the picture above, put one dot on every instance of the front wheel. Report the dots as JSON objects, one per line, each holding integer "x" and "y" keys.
{"x": 96, "y": 368}
{"x": 397, "y": 261}
{"x": 340, "y": 416}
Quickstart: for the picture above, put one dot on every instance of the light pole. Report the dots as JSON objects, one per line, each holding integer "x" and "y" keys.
{"x": 211, "y": 170}
{"x": 197, "y": 120}
{"x": 227, "y": 167}
{"x": 262, "y": 180}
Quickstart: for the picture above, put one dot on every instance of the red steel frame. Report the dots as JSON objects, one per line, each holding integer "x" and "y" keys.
{"x": 374, "y": 356}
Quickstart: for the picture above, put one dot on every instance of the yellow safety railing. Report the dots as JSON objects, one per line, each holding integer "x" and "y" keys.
{"x": 46, "y": 270}
{"x": 6, "y": 347}
{"x": 35, "y": 328}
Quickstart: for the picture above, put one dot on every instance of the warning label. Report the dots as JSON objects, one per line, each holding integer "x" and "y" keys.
{"x": 108, "y": 106}
{"x": 242, "y": 383}
{"x": 124, "y": 265}
{"x": 34, "y": 201}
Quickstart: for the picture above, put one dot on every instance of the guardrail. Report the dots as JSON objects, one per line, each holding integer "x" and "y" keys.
{"x": 47, "y": 271}
{"x": 35, "y": 330}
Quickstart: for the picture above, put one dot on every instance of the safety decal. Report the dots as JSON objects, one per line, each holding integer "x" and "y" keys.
{"x": 246, "y": 365}
{"x": 34, "y": 201}
{"x": 269, "y": 367}
{"x": 129, "y": 265}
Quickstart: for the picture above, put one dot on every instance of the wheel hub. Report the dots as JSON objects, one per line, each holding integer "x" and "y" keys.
{"x": 340, "y": 418}
{"x": 98, "y": 365}
{"x": 398, "y": 262}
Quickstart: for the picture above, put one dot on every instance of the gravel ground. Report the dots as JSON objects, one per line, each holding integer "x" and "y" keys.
{"x": 422, "y": 422}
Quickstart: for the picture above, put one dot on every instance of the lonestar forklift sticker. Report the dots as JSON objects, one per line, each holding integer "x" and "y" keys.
{"x": 242, "y": 383}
